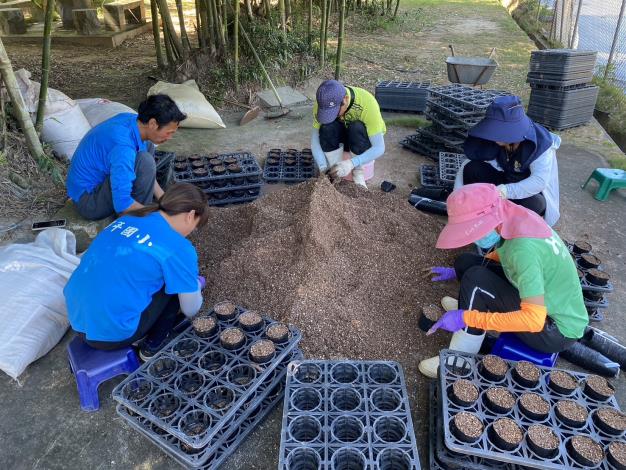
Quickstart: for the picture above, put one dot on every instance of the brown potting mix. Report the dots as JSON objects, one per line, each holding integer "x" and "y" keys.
{"x": 250, "y": 319}
{"x": 563, "y": 379}
{"x": 468, "y": 424}
{"x": 613, "y": 418}
{"x": 543, "y": 436}
{"x": 591, "y": 259}
{"x": 262, "y": 349}
{"x": 231, "y": 337}
{"x": 617, "y": 450}
{"x": 203, "y": 324}
{"x": 224, "y": 309}
{"x": 527, "y": 371}
{"x": 494, "y": 364}
{"x": 508, "y": 430}
{"x": 588, "y": 448}
{"x": 342, "y": 264}
{"x": 432, "y": 312}
{"x": 600, "y": 385}
{"x": 572, "y": 410}
{"x": 465, "y": 391}
{"x": 277, "y": 332}
{"x": 501, "y": 397}
{"x": 534, "y": 403}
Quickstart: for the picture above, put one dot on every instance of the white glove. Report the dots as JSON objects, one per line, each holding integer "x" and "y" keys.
{"x": 342, "y": 169}
{"x": 502, "y": 190}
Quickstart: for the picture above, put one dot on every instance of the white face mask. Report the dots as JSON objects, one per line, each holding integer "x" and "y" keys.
{"x": 488, "y": 240}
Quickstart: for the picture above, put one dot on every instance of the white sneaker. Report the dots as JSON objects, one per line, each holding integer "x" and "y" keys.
{"x": 429, "y": 367}
{"x": 460, "y": 341}
{"x": 449, "y": 303}
{"x": 358, "y": 176}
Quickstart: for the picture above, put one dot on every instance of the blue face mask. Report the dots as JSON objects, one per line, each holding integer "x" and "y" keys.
{"x": 488, "y": 240}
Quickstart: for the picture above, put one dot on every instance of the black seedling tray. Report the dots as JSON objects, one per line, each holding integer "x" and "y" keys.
{"x": 230, "y": 436}
{"x": 391, "y": 86}
{"x": 164, "y": 167}
{"x": 441, "y": 135}
{"x": 449, "y": 164}
{"x": 429, "y": 178}
{"x": 453, "y": 109}
{"x": 217, "y": 372}
{"x": 467, "y": 97}
{"x": 455, "y": 365}
{"x": 419, "y": 145}
{"x": 402, "y": 96}
{"x": 557, "y": 82}
{"x": 447, "y": 459}
{"x": 354, "y": 413}
{"x": 250, "y": 170}
{"x": 299, "y": 171}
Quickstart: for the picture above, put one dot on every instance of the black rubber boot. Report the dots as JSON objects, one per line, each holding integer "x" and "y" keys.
{"x": 605, "y": 344}
{"x": 428, "y": 205}
{"x": 590, "y": 360}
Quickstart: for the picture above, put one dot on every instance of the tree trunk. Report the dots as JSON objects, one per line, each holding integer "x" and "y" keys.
{"x": 309, "y": 28}
{"x": 156, "y": 33}
{"x": 249, "y": 13}
{"x": 168, "y": 25}
{"x": 211, "y": 25}
{"x": 236, "y": 44}
{"x": 287, "y": 11}
{"x": 342, "y": 9}
{"x": 268, "y": 10}
{"x": 395, "y": 12}
{"x": 323, "y": 35}
{"x": 326, "y": 22}
{"x": 184, "y": 39}
{"x": 86, "y": 21}
{"x": 12, "y": 21}
{"x": 219, "y": 31}
{"x": 283, "y": 25}
{"x": 45, "y": 64}
{"x": 19, "y": 107}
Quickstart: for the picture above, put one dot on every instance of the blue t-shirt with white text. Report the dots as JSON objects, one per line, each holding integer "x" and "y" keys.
{"x": 126, "y": 264}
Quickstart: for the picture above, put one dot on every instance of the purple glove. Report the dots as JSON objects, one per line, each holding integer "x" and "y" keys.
{"x": 444, "y": 274}
{"x": 202, "y": 281}
{"x": 451, "y": 321}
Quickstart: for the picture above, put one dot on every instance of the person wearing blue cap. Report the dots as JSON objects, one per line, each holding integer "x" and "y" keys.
{"x": 511, "y": 151}
{"x": 348, "y": 131}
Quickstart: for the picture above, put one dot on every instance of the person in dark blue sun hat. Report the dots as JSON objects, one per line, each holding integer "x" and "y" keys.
{"x": 516, "y": 154}
{"x": 348, "y": 131}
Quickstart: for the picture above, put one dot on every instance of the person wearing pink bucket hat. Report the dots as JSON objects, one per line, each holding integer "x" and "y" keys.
{"x": 527, "y": 284}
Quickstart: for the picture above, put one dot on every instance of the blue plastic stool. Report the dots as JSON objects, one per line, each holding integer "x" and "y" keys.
{"x": 92, "y": 366}
{"x": 509, "y": 346}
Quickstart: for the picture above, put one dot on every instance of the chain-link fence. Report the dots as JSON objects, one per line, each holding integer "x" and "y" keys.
{"x": 597, "y": 25}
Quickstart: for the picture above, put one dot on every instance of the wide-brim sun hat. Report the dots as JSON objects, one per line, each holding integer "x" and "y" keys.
{"x": 476, "y": 209}
{"x": 505, "y": 121}
{"x": 329, "y": 97}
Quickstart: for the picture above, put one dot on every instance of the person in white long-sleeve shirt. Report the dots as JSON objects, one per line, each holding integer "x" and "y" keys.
{"x": 348, "y": 131}
{"x": 516, "y": 154}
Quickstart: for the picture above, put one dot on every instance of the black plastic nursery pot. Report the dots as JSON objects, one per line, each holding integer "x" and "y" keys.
{"x": 534, "y": 406}
{"x": 585, "y": 451}
{"x": 204, "y": 325}
{"x": 499, "y": 400}
{"x": 597, "y": 277}
{"x": 588, "y": 261}
{"x": 492, "y": 368}
{"x": 505, "y": 434}
{"x": 225, "y": 310}
{"x": 561, "y": 382}
{"x": 616, "y": 454}
{"x": 610, "y": 421}
{"x": 526, "y": 374}
{"x": 429, "y": 316}
{"x": 250, "y": 320}
{"x": 277, "y": 332}
{"x": 466, "y": 427}
{"x": 232, "y": 338}
{"x": 598, "y": 388}
{"x": 463, "y": 392}
{"x": 571, "y": 413}
{"x": 542, "y": 441}
{"x": 262, "y": 350}
{"x": 580, "y": 247}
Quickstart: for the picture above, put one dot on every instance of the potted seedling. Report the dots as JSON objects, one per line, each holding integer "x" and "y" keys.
{"x": 585, "y": 451}
{"x": 534, "y": 406}
{"x": 467, "y": 427}
{"x": 232, "y": 338}
{"x": 543, "y": 441}
{"x": 589, "y": 261}
{"x": 571, "y": 413}
{"x": 598, "y": 388}
{"x": 581, "y": 247}
{"x": 616, "y": 454}
{"x": 597, "y": 277}
{"x": 230, "y": 161}
{"x": 277, "y": 332}
{"x": 610, "y": 421}
{"x": 561, "y": 382}
{"x": 225, "y": 310}
{"x": 493, "y": 368}
{"x": 262, "y": 350}
{"x": 499, "y": 400}
{"x": 464, "y": 393}
{"x": 505, "y": 434}
{"x": 250, "y": 320}
{"x": 204, "y": 325}
{"x": 526, "y": 374}
{"x": 215, "y": 162}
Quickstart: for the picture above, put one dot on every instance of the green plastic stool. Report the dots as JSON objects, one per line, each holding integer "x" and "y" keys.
{"x": 608, "y": 179}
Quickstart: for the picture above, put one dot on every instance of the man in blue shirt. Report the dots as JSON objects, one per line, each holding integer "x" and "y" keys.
{"x": 112, "y": 170}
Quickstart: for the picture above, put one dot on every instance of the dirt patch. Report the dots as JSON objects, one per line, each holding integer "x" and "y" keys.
{"x": 340, "y": 263}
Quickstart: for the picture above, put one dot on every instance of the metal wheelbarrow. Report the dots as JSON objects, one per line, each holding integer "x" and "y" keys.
{"x": 470, "y": 70}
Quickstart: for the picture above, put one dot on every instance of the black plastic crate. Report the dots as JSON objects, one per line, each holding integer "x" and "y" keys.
{"x": 402, "y": 96}
{"x": 467, "y": 97}
{"x": 347, "y": 414}
{"x": 289, "y": 166}
{"x": 211, "y": 171}
{"x": 230, "y": 436}
{"x": 429, "y": 178}
{"x": 449, "y": 165}
{"x": 456, "y": 365}
{"x": 202, "y": 381}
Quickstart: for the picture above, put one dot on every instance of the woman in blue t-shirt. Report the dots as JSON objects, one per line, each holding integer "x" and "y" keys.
{"x": 138, "y": 273}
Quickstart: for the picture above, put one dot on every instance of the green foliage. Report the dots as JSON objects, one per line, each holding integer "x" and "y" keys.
{"x": 611, "y": 98}
{"x": 371, "y": 19}
{"x": 406, "y": 121}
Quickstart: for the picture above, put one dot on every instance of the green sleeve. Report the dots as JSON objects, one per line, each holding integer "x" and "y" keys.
{"x": 525, "y": 272}
{"x": 372, "y": 118}
{"x": 316, "y": 124}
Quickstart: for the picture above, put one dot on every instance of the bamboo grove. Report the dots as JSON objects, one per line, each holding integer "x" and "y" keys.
{"x": 222, "y": 26}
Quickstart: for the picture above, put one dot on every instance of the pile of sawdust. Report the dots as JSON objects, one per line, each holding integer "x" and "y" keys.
{"x": 342, "y": 264}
